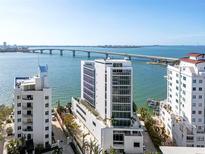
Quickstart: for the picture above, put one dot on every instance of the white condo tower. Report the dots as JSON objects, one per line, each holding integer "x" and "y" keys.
{"x": 106, "y": 105}
{"x": 32, "y": 104}
{"x": 183, "y": 113}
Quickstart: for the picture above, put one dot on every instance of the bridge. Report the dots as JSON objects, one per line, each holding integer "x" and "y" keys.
{"x": 106, "y": 53}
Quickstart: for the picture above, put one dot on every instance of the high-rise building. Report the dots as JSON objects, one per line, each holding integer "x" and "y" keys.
{"x": 32, "y": 104}
{"x": 106, "y": 105}
{"x": 183, "y": 113}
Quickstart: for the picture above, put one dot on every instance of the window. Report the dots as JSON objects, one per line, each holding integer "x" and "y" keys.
{"x": 28, "y": 105}
{"x": 200, "y": 104}
{"x": 193, "y": 119}
{"x": 200, "y": 81}
{"x": 47, "y": 120}
{"x": 194, "y": 81}
{"x": 177, "y": 81}
{"x": 18, "y": 104}
{"x": 193, "y": 112}
{"x": 199, "y": 112}
{"x": 19, "y": 128}
{"x": 47, "y": 136}
{"x": 94, "y": 123}
{"x": 18, "y": 97}
{"x": 19, "y": 119}
{"x": 136, "y": 144}
{"x": 19, "y": 135}
{"x": 200, "y": 96}
{"x": 194, "y": 104}
{"x": 46, "y": 128}
{"x": 46, "y": 97}
{"x": 18, "y": 112}
{"x": 200, "y": 88}
{"x": 199, "y": 120}
{"x": 177, "y": 88}
{"x": 47, "y": 112}
{"x": 194, "y": 96}
{"x": 184, "y": 85}
{"x": 194, "y": 88}
{"x": 46, "y": 105}
{"x": 184, "y": 78}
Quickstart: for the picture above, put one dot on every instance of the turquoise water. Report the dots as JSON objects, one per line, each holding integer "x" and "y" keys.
{"x": 64, "y": 71}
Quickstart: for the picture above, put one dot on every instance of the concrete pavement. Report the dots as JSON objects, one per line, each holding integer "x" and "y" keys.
{"x": 59, "y": 135}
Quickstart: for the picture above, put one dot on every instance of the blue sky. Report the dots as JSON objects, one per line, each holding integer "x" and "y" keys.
{"x": 99, "y": 22}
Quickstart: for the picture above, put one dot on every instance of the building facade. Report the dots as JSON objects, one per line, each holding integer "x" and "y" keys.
{"x": 32, "y": 104}
{"x": 183, "y": 113}
{"x": 106, "y": 105}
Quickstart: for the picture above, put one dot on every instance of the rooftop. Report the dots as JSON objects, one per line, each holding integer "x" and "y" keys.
{"x": 187, "y": 150}
{"x": 192, "y": 61}
{"x": 195, "y": 54}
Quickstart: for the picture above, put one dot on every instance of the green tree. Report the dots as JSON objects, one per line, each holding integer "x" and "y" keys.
{"x": 14, "y": 146}
{"x": 58, "y": 151}
{"x": 112, "y": 150}
{"x": 85, "y": 143}
{"x": 9, "y": 131}
{"x": 70, "y": 124}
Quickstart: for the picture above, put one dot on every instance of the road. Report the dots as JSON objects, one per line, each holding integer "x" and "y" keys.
{"x": 59, "y": 135}
{"x": 148, "y": 143}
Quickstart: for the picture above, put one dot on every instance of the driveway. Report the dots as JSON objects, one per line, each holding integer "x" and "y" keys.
{"x": 148, "y": 143}
{"x": 59, "y": 135}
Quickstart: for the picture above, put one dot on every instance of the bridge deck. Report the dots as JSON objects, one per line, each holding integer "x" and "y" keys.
{"x": 115, "y": 53}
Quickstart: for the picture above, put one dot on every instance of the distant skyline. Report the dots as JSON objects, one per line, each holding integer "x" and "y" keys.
{"x": 102, "y": 22}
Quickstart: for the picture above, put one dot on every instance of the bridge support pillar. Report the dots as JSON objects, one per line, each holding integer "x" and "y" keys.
{"x": 107, "y": 55}
{"x": 88, "y": 54}
{"x": 61, "y": 52}
{"x": 41, "y": 51}
{"x": 50, "y": 52}
{"x": 73, "y": 53}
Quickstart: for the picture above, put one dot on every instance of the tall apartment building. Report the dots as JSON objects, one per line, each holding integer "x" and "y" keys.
{"x": 32, "y": 104}
{"x": 183, "y": 113}
{"x": 106, "y": 105}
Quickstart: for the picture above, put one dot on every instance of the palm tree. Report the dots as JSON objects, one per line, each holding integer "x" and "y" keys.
{"x": 85, "y": 143}
{"x": 112, "y": 150}
{"x": 58, "y": 151}
{"x": 13, "y": 146}
{"x": 96, "y": 149}
{"x": 91, "y": 146}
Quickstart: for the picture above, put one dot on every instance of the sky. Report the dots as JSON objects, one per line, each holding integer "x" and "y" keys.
{"x": 102, "y": 22}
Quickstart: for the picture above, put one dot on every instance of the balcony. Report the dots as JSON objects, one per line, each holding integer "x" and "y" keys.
{"x": 27, "y": 115}
{"x": 28, "y": 129}
{"x": 27, "y": 97}
{"x": 27, "y": 107}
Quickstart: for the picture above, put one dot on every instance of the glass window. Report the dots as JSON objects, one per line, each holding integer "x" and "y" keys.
{"x": 18, "y": 112}
{"x": 46, "y": 97}
{"x": 47, "y": 120}
{"x": 200, "y": 81}
{"x": 46, "y": 128}
{"x": 199, "y": 112}
{"x": 18, "y": 104}
{"x": 200, "y": 96}
{"x": 193, "y": 112}
{"x": 194, "y": 81}
{"x": 200, "y": 88}
{"x": 194, "y": 88}
{"x": 136, "y": 144}
{"x": 194, "y": 96}
{"x": 47, "y": 136}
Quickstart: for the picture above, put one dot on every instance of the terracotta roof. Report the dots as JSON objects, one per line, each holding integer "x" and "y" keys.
{"x": 192, "y": 61}
{"x": 195, "y": 54}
